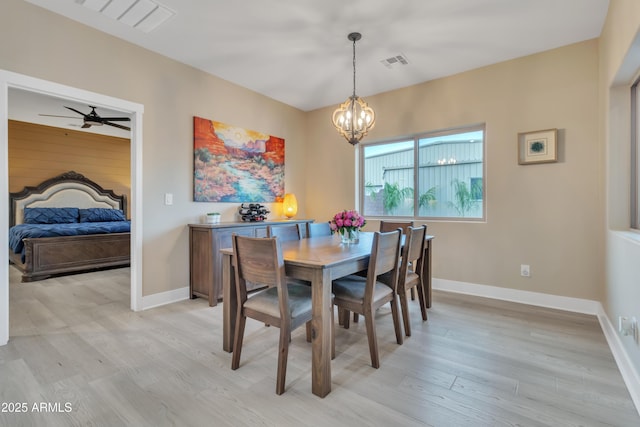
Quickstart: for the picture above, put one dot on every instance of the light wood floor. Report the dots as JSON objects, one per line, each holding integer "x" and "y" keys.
{"x": 476, "y": 362}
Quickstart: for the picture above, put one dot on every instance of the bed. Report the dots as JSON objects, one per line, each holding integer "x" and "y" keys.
{"x": 67, "y": 224}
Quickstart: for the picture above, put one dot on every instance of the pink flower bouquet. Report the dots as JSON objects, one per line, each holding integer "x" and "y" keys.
{"x": 347, "y": 223}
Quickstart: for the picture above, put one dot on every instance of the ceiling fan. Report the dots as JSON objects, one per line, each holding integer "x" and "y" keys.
{"x": 93, "y": 119}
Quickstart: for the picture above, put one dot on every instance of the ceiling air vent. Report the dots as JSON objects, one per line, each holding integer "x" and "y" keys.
{"x": 395, "y": 61}
{"x": 143, "y": 15}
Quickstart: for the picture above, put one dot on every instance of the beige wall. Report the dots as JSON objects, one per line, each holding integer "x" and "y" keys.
{"x": 619, "y": 65}
{"x": 548, "y": 216}
{"x": 41, "y": 44}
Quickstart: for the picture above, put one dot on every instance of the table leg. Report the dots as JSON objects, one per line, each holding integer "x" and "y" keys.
{"x": 321, "y": 333}
{"x": 426, "y": 272}
{"x": 229, "y": 303}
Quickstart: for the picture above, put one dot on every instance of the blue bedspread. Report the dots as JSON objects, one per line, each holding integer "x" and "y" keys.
{"x": 21, "y": 231}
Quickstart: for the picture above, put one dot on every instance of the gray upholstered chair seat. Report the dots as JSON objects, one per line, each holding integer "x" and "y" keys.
{"x": 352, "y": 288}
{"x": 291, "y": 281}
{"x": 266, "y": 301}
{"x": 412, "y": 279}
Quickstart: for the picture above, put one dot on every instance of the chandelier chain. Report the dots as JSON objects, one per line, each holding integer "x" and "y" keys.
{"x": 354, "y": 67}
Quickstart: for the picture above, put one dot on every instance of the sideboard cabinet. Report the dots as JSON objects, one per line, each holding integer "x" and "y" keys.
{"x": 205, "y": 260}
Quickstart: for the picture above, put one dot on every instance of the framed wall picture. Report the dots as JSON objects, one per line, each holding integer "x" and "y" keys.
{"x": 538, "y": 147}
{"x": 236, "y": 165}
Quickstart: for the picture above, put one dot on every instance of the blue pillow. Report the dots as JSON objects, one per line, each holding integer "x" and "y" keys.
{"x": 50, "y": 215}
{"x": 101, "y": 215}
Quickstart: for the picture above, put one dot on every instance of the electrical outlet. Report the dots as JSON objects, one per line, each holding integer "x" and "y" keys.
{"x": 525, "y": 270}
{"x": 628, "y": 326}
{"x": 168, "y": 199}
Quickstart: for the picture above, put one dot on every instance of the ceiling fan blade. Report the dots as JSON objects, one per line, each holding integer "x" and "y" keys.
{"x": 115, "y": 125}
{"x": 116, "y": 119}
{"x": 67, "y": 117}
{"x": 76, "y": 111}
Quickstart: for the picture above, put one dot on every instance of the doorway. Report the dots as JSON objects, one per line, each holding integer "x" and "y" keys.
{"x": 30, "y": 84}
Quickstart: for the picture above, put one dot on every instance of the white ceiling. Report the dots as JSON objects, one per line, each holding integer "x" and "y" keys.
{"x": 297, "y": 52}
{"x": 28, "y": 107}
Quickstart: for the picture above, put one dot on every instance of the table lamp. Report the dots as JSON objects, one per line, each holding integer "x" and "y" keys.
{"x": 290, "y": 205}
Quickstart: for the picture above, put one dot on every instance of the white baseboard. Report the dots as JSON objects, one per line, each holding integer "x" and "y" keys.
{"x": 163, "y": 298}
{"x": 627, "y": 370}
{"x": 576, "y": 305}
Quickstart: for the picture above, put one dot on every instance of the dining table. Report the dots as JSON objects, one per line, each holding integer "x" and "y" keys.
{"x": 318, "y": 260}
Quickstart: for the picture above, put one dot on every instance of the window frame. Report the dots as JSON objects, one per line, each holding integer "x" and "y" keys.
{"x": 634, "y": 190}
{"x": 361, "y": 185}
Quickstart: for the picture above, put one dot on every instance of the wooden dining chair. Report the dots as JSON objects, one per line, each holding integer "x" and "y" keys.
{"x": 316, "y": 229}
{"x": 283, "y": 305}
{"x": 410, "y": 274}
{"x": 287, "y": 233}
{"x": 404, "y": 225}
{"x": 386, "y": 226}
{"x": 284, "y": 232}
{"x": 364, "y": 295}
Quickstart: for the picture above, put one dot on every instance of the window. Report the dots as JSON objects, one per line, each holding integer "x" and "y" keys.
{"x": 431, "y": 175}
{"x": 635, "y": 157}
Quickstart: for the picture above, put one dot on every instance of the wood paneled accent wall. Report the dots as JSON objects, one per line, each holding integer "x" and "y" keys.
{"x": 38, "y": 152}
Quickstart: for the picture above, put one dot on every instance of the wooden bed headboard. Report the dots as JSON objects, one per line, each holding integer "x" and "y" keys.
{"x": 69, "y": 189}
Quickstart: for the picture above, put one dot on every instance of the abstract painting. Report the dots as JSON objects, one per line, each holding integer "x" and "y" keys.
{"x": 236, "y": 165}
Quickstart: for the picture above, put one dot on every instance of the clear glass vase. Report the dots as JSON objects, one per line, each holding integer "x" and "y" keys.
{"x": 350, "y": 236}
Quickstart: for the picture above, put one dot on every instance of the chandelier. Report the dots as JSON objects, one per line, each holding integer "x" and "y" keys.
{"x": 354, "y": 118}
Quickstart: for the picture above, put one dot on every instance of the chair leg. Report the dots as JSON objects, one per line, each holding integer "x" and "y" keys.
{"x": 369, "y": 319}
{"x": 345, "y": 314}
{"x": 308, "y": 327}
{"x": 283, "y": 353}
{"x": 241, "y": 320}
{"x": 404, "y": 305}
{"x": 423, "y": 302}
{"x": 355, "y": 317}
{"x": 413, "y": 294}
{"x": 396, "y": 320}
